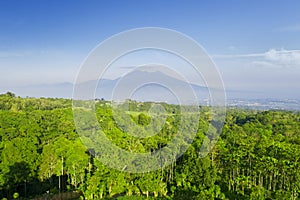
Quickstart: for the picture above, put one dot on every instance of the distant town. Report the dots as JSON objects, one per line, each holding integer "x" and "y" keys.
{"x": 265, "y": 104}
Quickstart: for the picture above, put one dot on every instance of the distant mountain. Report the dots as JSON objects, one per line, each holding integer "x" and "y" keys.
{"x": 147, "y": 86}
{"x": 132, "y": 84}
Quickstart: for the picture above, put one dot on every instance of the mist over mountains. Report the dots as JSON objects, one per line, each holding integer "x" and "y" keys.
{"x": 159, "y": 87}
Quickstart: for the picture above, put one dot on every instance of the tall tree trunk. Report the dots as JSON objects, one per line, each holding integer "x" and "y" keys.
{"x": 62, "y": 172}
{"x": 270, "y": 182}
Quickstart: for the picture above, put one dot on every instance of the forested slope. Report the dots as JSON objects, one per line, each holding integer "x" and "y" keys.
{"x": 256, "y": 157}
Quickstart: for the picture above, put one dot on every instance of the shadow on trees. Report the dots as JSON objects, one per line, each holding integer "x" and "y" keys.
{"x": 15, "y": 179}
{"x": 18, "y": 180}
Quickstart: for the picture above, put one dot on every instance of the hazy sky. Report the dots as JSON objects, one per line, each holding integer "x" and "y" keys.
{"x": 255, "y": 44}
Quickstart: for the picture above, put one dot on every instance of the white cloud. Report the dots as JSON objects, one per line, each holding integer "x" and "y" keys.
{"x": 276, "y": 58}
{"x": 263, "y": 64}
{"x": 283, "y": 57}
{"x": 230, "y": 56}
{"x": 273, "y": 73}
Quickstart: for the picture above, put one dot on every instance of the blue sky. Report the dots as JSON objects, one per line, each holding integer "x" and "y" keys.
{"x": 255, "y": 44}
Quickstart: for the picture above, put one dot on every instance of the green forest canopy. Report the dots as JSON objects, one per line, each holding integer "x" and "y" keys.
{"x": 256, "y": 157}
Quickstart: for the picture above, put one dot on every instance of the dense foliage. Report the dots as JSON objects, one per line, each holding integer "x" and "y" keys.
{"x": 256, "y": 157}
